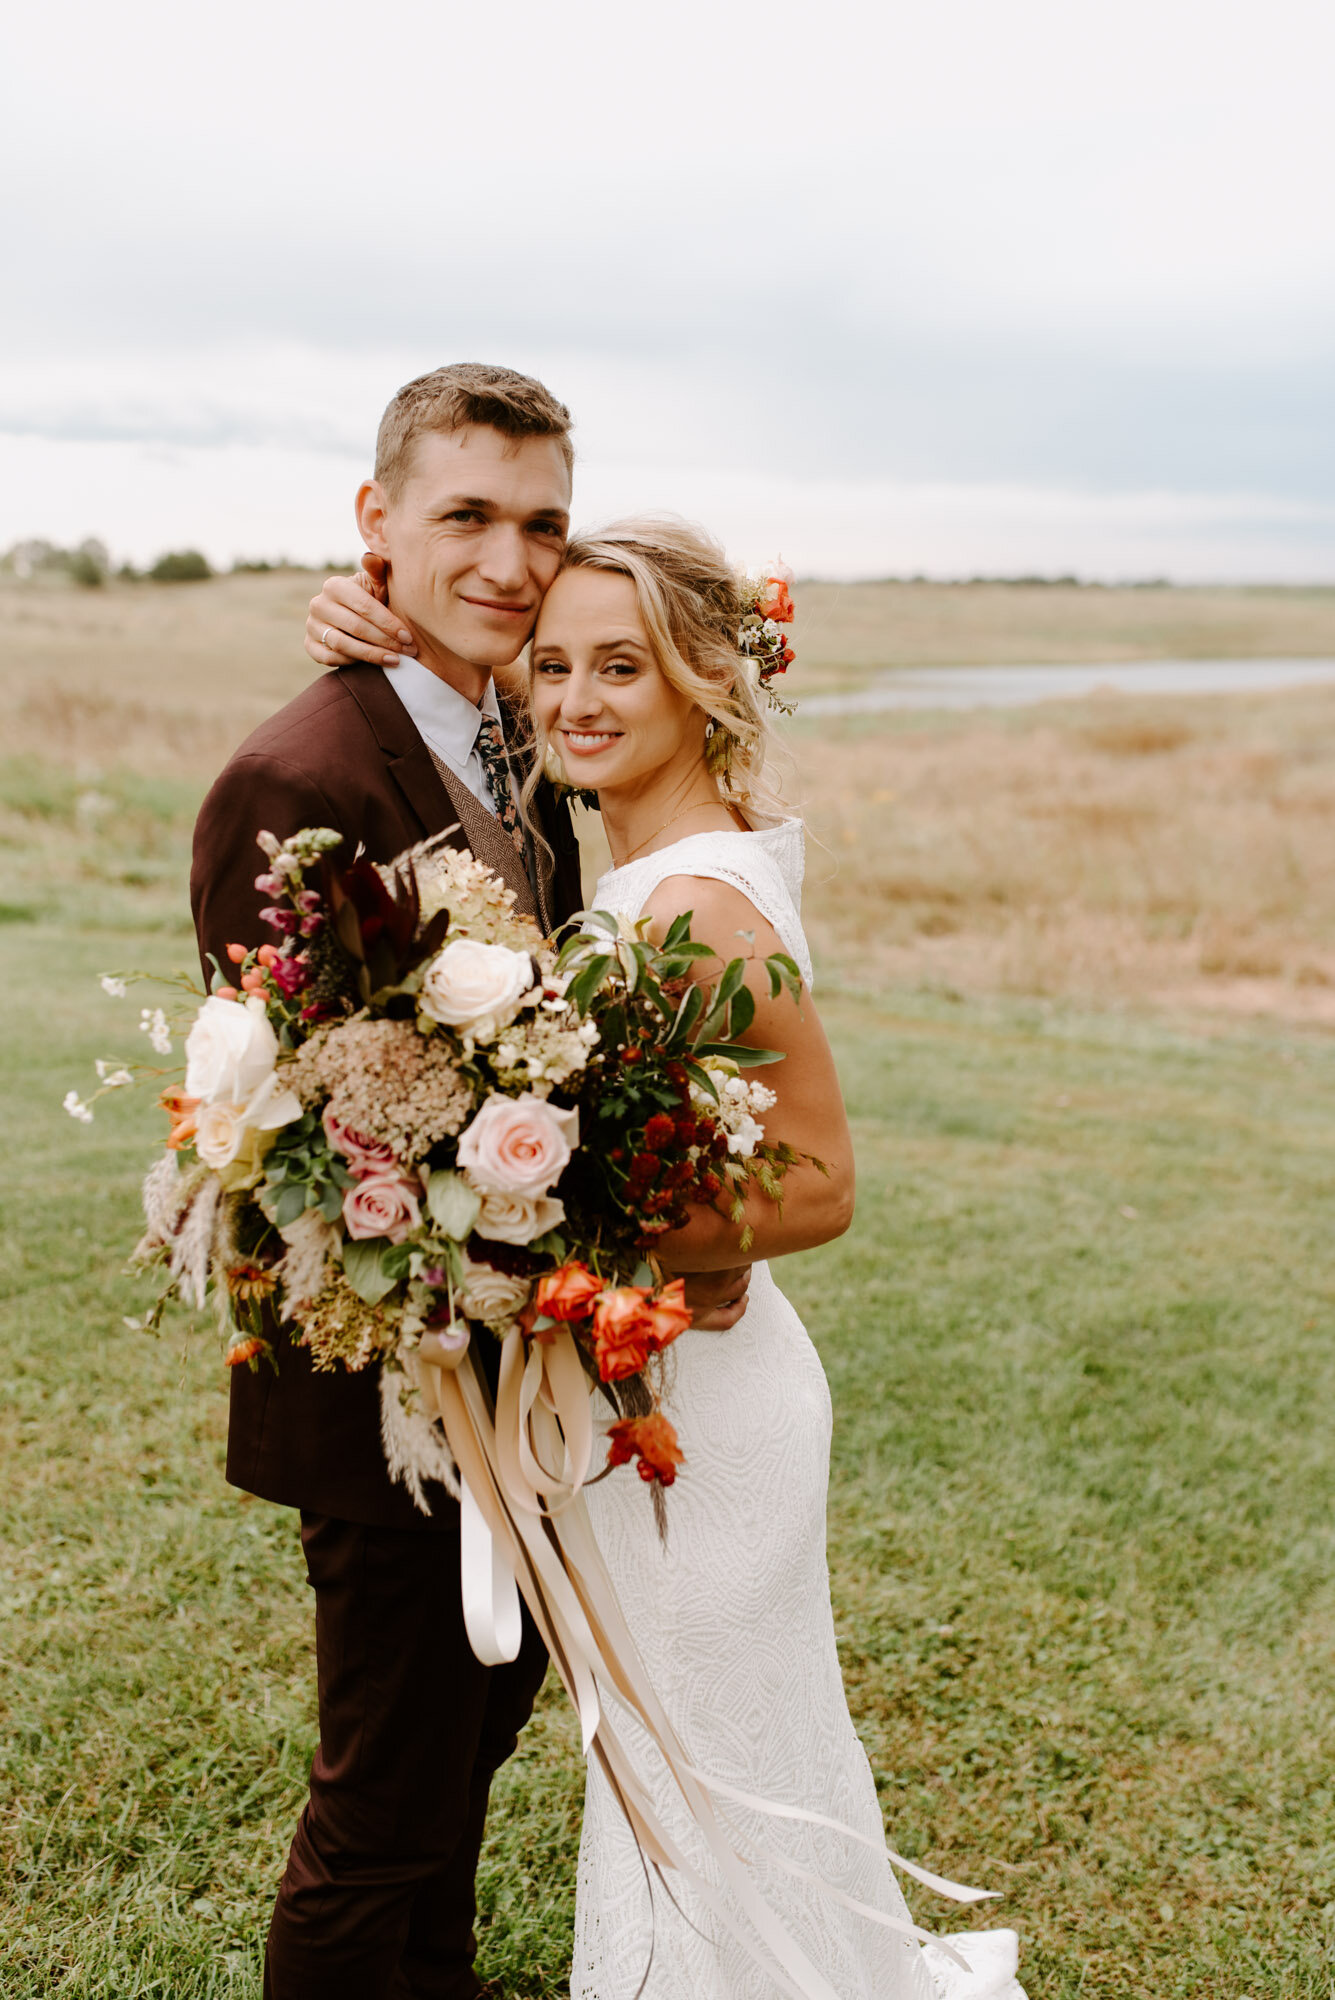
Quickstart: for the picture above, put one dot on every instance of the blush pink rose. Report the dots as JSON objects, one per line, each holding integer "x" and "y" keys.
{"x": 363, "y": 1155}
{"x": 382, "y": 1204}
{"x": 518, "y": 1145}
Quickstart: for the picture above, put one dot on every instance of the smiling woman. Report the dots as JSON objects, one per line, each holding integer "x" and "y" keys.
{"x": 641, "y": 677}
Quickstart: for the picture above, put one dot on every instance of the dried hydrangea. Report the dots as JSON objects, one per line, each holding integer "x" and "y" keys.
{"x": 341, "y": 1330}
{"x": 386, "y": 1082}
{"x": 479, "y": 903}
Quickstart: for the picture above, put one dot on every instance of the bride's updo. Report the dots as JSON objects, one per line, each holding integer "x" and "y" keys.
{"x": 689, "y": 597}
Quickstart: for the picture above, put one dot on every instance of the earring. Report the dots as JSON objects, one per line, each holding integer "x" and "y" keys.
{"x": 710, "y": 727}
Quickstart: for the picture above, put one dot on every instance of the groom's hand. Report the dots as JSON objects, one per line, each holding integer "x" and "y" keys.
{"x": 717, "y": 1299}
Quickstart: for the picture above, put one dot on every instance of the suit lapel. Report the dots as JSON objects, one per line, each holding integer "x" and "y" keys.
{"x": 411, "y": 766}
{"x": 407, "y": 759}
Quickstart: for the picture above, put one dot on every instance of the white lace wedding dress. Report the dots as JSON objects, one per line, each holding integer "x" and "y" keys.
{"x": 734, "y": 1624}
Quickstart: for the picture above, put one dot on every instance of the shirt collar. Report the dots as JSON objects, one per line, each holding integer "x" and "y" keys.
{"x": 448, "y": 720}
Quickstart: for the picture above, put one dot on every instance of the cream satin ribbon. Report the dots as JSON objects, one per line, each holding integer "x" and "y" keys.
{"x": 522, "y": 1473}
{"x": 492, "y": 1617}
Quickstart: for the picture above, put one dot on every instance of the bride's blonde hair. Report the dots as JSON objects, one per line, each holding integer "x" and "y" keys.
{"x": 689, "y": 597}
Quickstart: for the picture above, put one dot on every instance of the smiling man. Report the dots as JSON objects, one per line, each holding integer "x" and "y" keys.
{"x": 469, "y": 509}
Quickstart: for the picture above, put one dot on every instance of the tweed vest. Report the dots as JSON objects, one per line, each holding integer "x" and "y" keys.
{"x": 529, "y": 874}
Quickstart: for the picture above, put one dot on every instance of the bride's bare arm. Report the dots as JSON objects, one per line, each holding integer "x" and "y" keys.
{"x": 349, "y": 619}
{"x": 809, "y": 1113}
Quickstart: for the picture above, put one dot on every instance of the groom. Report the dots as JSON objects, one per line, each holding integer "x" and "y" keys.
{"x": 469, "y": 510}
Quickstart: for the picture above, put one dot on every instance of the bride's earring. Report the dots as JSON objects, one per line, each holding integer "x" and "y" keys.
{"x": 710, "y": 727}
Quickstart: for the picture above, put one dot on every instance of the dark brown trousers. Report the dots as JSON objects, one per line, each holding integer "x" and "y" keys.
{"x": 377, "y": 1901}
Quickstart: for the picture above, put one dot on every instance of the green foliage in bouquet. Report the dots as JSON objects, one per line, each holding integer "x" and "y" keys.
{"x": 671, "y": 1123}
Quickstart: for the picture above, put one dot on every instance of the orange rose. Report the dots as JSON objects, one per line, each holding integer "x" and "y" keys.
{"x": 669, "y": 1314}
{"x": 652, "y": 1440}
{"x": 776, "y": 599}
{"x": 568, "y": 1293}
{"x": 623, "y": 1332}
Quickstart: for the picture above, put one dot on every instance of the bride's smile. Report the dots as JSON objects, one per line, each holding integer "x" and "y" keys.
{"x": 603, "y": 701}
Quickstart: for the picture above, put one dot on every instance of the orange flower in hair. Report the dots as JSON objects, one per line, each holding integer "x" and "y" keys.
{"x": 776, "y": 596}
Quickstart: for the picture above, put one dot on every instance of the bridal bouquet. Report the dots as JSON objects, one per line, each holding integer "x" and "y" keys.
{"x": 408, "y": 1125}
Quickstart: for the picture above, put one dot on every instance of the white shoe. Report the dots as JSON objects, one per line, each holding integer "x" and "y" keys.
{"x": 994, "y": 1960}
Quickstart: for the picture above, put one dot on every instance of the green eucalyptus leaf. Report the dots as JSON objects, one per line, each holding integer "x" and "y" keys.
{"x": 738, "y": 1052}
{"x": 743, "y": 1011}
{"x": 783, "y": 971}
{"x": 290, "y": 1204}
{"x": 452, "y": 1205}
{"x": 586, "y": 983}
{"x": 699, "y": 1074}
{"x": 364, "y": 1269}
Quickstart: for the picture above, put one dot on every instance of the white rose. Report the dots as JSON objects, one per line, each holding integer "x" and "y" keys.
{"x": 518, "y": 1145}
{"x": 476, "y": 986}
{"x": 230, "y": 1050}
{"x": 490, "y": 1295}
{"x": 518, "y": 1218}
{"x": 236, "y": 1135}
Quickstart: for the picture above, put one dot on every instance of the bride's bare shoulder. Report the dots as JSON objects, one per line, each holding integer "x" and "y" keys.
{"x": 719, "y": 910}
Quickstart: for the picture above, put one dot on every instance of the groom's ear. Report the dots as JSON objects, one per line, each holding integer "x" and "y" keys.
{"x": 372, "y": 508}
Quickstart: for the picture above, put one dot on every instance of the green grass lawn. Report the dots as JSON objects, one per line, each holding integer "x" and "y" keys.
{"x": 1083, "y": 1515}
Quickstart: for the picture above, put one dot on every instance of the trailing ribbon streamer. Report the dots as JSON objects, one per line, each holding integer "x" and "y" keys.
{"x": 492, "y": 1616}
{"x": 522, "y": 1470}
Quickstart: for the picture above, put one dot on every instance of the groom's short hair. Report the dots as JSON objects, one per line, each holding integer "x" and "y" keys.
{"x": 467, "y": 392}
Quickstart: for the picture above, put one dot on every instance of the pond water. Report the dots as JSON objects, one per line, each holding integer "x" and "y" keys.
{"x": 1014, "y": 687}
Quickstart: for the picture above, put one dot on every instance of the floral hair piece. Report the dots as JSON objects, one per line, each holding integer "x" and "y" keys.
{"x": 767, "y": 606}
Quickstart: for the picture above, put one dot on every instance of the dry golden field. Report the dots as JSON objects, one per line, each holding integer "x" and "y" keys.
{"x": 1150, "y": 850}
{"x": 847, "y": 631}
{"x": 1125, "y": 850}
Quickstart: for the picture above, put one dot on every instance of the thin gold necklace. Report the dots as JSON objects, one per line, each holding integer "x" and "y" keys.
{"x": 699, "y": 806}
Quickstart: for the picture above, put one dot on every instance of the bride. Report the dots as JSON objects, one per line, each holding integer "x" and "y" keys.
{"x": 640, "y": 690}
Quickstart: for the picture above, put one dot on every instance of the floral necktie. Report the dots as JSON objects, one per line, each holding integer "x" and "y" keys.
{"x": 491, "y": 749}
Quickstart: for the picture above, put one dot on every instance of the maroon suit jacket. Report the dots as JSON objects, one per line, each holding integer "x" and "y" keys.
{"x": 344, "y": 754}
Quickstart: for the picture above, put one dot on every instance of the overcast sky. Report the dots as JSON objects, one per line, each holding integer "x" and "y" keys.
{"x": 972, "y": 285}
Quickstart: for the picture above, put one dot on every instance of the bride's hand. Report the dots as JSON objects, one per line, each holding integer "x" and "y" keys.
{"x": 717, "y": 1298}
{"x": 349, "y": 619}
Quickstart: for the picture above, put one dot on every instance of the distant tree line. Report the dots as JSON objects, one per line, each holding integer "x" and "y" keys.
{"x": 90, "y": 565}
